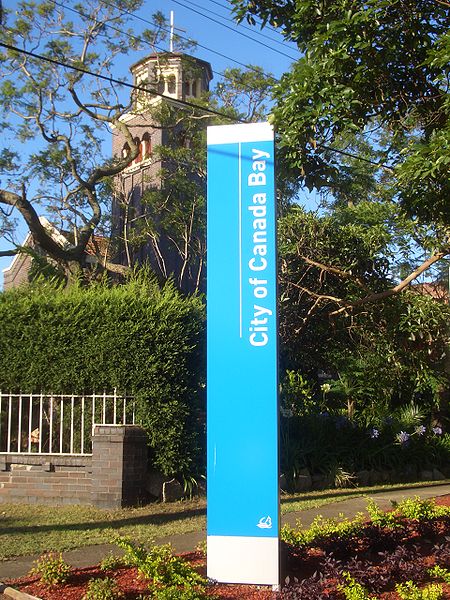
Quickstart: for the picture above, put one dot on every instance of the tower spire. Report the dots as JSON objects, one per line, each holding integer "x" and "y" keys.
{"x": 171, "y": 30}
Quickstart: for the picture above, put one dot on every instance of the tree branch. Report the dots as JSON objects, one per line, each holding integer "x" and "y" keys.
{"x": 335, "y": 271}
{"x": 38, "y": 231}
{"x": 375, "y": 297}
{"x": 9, "y": 252}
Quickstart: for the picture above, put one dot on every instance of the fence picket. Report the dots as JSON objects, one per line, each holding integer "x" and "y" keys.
{"x": 19, "y": 432}
{"x": 30, "y": 421}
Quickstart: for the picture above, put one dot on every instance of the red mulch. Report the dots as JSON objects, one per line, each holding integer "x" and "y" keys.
{"x": 132, "y": 585}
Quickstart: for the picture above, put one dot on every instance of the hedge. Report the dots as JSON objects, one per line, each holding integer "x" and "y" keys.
{"x": 136, "y": 338}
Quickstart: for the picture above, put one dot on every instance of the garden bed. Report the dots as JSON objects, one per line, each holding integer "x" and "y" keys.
{"x": 330, "y": 561}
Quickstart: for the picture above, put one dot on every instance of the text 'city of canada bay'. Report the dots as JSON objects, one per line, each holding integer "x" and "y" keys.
{"x": 259, "y": 325}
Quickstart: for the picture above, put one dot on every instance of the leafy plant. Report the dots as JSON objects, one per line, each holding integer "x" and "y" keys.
{"x": 440, "y": 573}
{"x": 353, "y": 590}
{"x": 410, "y": 508}
{"x": 187, "y": 592}
{"x": 102, "y": 589}
{"x": 380, "y": 517}
{"x": 151, "y": 336}
{"x": 341, "y": 478}
{"x": 409, "y": 591}
{"x": 417, "y": 508}
{"x": 160, "y": 565}
{"x": 322, "y": 529}
{"x": 112, "y": 562}
{"x": 202, "y": 547}
{"x": 52, "y": 569}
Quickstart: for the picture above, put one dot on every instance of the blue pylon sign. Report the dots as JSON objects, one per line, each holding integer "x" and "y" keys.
{"x": 242, "y": 377}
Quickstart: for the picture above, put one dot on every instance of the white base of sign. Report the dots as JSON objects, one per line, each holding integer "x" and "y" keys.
{"x": 253, "y": 560}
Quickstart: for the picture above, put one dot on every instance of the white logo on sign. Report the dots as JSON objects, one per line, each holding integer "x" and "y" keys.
{"x": 265, "y": 523}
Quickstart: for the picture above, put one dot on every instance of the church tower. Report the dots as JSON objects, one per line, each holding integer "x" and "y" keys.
{"x": 177, "y": 76}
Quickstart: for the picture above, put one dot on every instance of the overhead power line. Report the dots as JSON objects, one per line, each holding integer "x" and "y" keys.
{"x": 266, "y": 26}
{"x": 143, "y": 20}
{"x": 156, "y": 46}
{"x": 355, "y": 156}
{"x": 185, "y": 103}
{"x": 241, "y": 25}
{"x": 233, "y": 29}
{"x": 111, "y": 79}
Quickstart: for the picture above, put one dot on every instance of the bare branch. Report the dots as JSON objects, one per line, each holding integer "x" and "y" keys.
{"x": 336, "y": 271}
{"x": 375, "y": 297}
{"x": 9, "y": 252}
{"x": 38, "y": 231}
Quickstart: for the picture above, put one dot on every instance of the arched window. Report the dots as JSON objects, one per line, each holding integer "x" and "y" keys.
{"x": 138, "y": 158}
{"x": 171, "y": 84}
{"x": 126, "y": 150}
{"x": 146, "y": 146}
{"x": 161, "y": 85}
{"x": 187, "y": 88}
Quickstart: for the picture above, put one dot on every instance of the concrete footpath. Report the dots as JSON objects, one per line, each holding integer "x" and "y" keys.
{"x": 91, "y": 555}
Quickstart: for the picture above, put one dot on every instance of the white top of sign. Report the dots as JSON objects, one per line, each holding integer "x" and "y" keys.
{"x": 232, "y": 134}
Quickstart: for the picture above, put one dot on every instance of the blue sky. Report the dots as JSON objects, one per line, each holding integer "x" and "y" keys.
{"x": 221, "y": 42}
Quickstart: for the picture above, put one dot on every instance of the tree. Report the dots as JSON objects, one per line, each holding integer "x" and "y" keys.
{"x": 372, "y": 82}
{"x": 172, "y": 212}
{"x": 58, "y": 97}
{"x": 380, "y": 356}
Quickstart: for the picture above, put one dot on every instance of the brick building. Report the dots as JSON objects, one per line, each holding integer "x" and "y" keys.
{"x": 177, "y": 76}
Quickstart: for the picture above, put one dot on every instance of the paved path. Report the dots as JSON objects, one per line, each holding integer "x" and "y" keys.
{"x": 91, "y": 555}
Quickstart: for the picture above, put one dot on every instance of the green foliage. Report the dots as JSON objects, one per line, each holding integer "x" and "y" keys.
{"x": 160, "y": 565}
{"x": 353, "y": 590}
{"x": 245, "y": 93}
{"x": 380, "y": 517}
{"x": 296, "y": 394}
{"x": 363, "y": 116}
{"x": 328, "y": 529}
{"x": 386, "y": 352}
{"x": 102, "y": 589}
{"x": 440, "y": 573}
{"x": 421, "y": 510}
{"x": 323, "y": 529}
{"x": 137, "y": 337}
{"x": 187, "y": 592}
{"x": 410, "y": 508}
{"x": 409, "y": 591}
{"x": 52, "y": 569}
{"x": 111, "y": 563}
{"x": 373, "y": 70}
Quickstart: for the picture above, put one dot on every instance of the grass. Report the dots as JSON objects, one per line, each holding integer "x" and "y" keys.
{"x": 35, "y": 529}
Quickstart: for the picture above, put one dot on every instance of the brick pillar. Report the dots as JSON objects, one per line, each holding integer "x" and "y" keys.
{"x": 119, "y": 464}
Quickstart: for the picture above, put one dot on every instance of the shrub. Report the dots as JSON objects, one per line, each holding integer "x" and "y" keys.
{"x": 440, "y": 573}
{"x": 111, "y": 563}
{"x": 177, "y": 593}
{"x": 52, "y": 569}
{"x": 160, "y": 565}
{"x": 102, "y": 589}
{"x": 136, "y": 338}
{"x": 409, "y": 591}
{"x": 353, "y": 590}
{"x": 322, "y": 529}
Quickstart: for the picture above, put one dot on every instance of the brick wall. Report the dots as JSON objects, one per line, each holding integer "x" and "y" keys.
{"x": 45, "y": 479}
{"x": 119, "y": 465}
{"x": 17, "y": 272}
{"x": 112, "y": 477}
